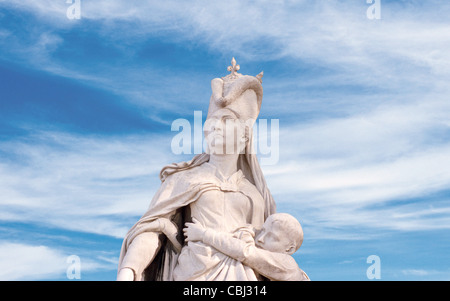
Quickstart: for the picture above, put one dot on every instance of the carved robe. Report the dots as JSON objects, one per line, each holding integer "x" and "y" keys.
{"x": 218, "y": 203}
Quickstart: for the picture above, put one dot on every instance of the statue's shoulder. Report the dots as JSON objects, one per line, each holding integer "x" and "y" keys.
{"x": 247, "y": 184}
{"x": 250, "y": 188}
{"x": 190, "y": 175}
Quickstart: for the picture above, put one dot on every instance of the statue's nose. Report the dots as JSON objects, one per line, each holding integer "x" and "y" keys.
{"x": 260, "y": 238}
{"x": 217, "y": 127}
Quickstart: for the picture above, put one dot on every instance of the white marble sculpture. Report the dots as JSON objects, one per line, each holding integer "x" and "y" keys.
{"x": 269, "y": 253}
{"x": 222, "y": 190}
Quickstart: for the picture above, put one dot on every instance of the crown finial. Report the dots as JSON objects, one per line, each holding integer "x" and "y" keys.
{"x": 234, "y": 68}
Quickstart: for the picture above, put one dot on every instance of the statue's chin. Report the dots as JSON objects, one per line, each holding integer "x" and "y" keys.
{"x": 220, "y": 149}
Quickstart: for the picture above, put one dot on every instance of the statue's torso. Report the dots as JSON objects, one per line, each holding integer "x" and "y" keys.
{"x": 223, "y": 211}
{"x": 235, "y": 205}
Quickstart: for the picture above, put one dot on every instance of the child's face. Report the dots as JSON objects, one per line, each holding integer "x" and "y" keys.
{"x": 272, "y": 237}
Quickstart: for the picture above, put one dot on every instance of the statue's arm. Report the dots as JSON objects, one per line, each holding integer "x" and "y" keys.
{"x": 217, "y": 88}
{"x": 226, "y": 243}
{"x": 145, "y": 246}
{"x": 275, "y": 266}
{"x": 140, "y": 254}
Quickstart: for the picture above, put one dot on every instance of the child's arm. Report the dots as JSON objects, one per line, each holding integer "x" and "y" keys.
{"x": 224, "y": 242}
{"x": 275, "y": 266}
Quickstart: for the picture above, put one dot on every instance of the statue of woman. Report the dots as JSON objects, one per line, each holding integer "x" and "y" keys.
{"x": 223, "y": 189}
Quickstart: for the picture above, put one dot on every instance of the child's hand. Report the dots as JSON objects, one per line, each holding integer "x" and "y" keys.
{"x": 194, "y": 231}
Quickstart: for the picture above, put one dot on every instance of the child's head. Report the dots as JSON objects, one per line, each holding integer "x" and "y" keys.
{"x": 280, "y": 233}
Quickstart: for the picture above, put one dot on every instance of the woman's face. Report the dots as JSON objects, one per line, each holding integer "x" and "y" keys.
{"x": 225, "y": 133}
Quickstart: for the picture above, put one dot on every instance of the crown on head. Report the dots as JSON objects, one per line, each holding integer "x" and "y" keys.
{"x": 234, "y": 68}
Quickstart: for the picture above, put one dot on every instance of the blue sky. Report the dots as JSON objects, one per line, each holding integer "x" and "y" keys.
{"x": 86, "y": 109}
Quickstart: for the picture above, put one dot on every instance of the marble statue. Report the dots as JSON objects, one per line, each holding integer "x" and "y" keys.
{"x": 269, "y": 253}
{"x": 221, "y": 191}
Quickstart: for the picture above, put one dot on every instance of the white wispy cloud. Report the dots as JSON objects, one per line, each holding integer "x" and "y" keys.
{"x": 20, "y": 261}
{"x": 80, "y": 183}
{"x": 413, "y": 272}
{"x": 349, "y": 171}
{"x": 426, "y": 274}
{"x": 28, "y": 262}
{"x": 400, "y": 52}
{"x": 379, "y": 148}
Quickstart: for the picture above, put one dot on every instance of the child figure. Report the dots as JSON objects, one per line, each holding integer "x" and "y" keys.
{"x": 269, "y": 253}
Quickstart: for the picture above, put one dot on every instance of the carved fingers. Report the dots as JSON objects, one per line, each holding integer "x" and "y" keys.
{"x": 194, "y": 231}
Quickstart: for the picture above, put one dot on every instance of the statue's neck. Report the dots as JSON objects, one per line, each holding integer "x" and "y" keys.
{"x": 225, "y": 164}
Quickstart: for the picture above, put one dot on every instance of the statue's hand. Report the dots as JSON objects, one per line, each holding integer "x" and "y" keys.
{"x": 194, "y": 231}
{"x": 125, "y": 274}
{"x": 223, "y": 101}
{"x": 171, "y": 231}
